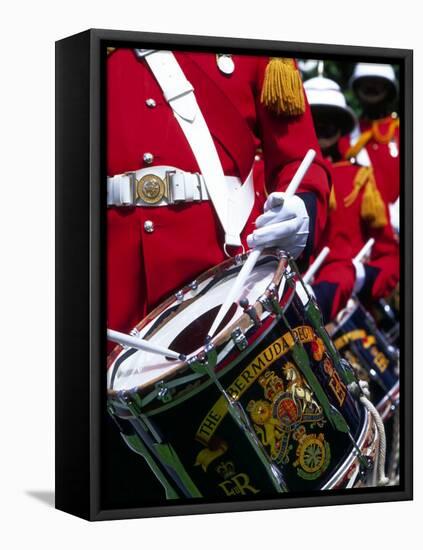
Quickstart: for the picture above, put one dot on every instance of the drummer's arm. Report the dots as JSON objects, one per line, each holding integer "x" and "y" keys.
{"x": 382, "y": 271}
{"x": 285, "y": 141}
{"x": 333, "y": 286}
{"x": 334, "y": 283}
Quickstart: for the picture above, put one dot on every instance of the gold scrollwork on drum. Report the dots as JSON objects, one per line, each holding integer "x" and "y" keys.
{"x": 150, "y": 189}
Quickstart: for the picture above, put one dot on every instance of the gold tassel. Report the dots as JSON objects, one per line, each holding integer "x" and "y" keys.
{"x": 282, "y": 90}
{"x": 373, "y": 208}
{"x": 110, "y": 50}
{"x": 360, "y": 179}
{"x": 332, "y": 199}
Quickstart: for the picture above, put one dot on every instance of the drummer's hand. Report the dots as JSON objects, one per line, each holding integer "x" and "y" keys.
{"x": 284, "y": 223}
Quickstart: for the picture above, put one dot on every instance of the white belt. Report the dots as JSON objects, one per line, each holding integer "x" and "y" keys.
{"x": 362, "y": 156}
{"x": 166, "y": 185}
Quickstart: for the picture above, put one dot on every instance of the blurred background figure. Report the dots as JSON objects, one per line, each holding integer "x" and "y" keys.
{"x": 358, "y": 211}
{"x": 375, "y": 141}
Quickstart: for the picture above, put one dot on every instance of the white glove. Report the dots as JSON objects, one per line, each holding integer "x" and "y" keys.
{"x": 360, "y": 276}
{"x": 285, "y": 224}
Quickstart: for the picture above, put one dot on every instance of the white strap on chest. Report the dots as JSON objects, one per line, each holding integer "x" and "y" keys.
{"x": 233, "y": 206}
{"x": 362, "y": 156}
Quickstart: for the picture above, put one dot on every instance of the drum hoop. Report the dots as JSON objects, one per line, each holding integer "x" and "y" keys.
{"x": 352, "y": 458}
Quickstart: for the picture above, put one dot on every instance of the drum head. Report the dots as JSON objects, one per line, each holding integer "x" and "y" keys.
{"x": 183, "y": 323}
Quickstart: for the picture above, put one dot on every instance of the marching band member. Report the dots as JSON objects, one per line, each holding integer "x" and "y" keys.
{"x": 375, "y": 141}
{"x": 182, "y": 131}
{"x": 357, "y": 212}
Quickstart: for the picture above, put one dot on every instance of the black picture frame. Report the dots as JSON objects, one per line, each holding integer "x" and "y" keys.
{"x": 80, "y": 255}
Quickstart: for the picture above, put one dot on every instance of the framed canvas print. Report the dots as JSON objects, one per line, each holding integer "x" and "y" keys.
{"x": 234, "y": 274}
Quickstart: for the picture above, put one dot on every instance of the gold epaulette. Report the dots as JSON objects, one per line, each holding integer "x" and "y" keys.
{"x": 110, "y": 50}
{"x": 387, "y": 136}
{"x": 373, "y": 208}
{"x": 362, "y": 141}
{"x": 375, "y": 133}
{"x": 282, "y": 90}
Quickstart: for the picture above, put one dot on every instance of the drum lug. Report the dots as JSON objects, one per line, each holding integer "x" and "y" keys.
{"x": 250, "y": 311}
{"x": 204, "y": 361}
{"x": 239, "y": 339}
{"x": 270, "y": 300}
{"x": 193, "y": 285}
{"x": 163, "y": 392}
{"x": 366, "y": 464}
{"x": 179, "y": 296}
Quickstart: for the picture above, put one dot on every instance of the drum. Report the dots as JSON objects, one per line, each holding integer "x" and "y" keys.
{"x": 358, "y": 339}
{"x": 262, "y": 408}
{"x": 386, "y": 314}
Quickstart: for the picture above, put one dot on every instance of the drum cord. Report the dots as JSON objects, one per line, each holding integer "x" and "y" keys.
{"x": 381, "y": 459}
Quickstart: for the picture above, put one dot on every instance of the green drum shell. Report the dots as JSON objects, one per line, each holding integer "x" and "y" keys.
{"x": 297, "y": 413}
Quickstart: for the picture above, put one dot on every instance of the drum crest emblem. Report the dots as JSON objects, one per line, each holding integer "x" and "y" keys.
{"x": 288, "y": 404}
{"x": 312, "y": 454}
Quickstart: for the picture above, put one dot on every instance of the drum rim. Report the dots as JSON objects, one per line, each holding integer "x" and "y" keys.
{"x": 336, "y": 481}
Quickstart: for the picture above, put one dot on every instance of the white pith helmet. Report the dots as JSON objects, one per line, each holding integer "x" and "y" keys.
{"x": 325, "y": 95}
{"x": 385, "y": 72}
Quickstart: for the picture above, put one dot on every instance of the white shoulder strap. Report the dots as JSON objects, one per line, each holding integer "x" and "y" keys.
{"x": 232, "y": 207}
{"x": 362, "y": 156}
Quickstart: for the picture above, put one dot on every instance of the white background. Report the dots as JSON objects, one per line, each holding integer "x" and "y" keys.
{"x": 28, "y": 32}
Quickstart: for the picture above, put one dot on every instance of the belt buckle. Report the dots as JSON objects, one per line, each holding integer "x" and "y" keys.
{"x": 150, "y": 189}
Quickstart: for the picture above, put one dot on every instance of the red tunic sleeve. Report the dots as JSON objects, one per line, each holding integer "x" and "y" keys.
{"x": 334, "y": 282}
{"x": 285, "y": 141}
{"x": 382, "y": 271}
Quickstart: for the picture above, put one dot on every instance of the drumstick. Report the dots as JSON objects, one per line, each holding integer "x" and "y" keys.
{"x": 138, "y": 343}
{"x": 315, "y": 266}
{"x": 255, "y": 253}
{"x": 364, "y": 251}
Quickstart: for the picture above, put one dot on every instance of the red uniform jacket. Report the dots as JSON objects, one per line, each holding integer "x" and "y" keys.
{"x": 381, "y": 138}
{"x": 347, "y": 232}
{"x": 143, "y": 268}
